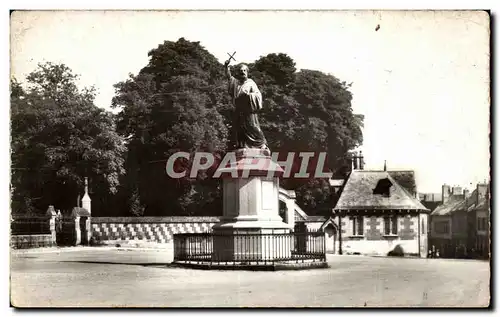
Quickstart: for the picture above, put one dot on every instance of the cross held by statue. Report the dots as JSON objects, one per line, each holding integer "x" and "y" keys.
{"x": 231, "y": 57}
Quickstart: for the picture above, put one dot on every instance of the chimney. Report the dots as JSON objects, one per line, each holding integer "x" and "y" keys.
{"x": 457, "y": 191}
{"x": 361, "y": 161}
{"x": 482, "y": 189}
{"x": 385, "y": 165}
{"x": 445, "y": 193}
{"x": 466, "y": 193}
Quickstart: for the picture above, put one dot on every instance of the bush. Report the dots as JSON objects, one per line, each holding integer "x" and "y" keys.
{"x": 397, "y": 251}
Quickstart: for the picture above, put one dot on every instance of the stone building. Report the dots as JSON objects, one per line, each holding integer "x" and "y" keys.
{"x": 378, "y": 213}
{"x": 448, "y": 223}
{"x": 460, "y": 225}
{"x": 478, "y": 212}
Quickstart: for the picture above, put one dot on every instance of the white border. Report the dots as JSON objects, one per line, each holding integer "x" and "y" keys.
{"x": 185, "y": 4}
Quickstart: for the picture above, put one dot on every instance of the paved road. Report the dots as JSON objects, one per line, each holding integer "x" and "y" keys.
{"x": 97, "y": 277}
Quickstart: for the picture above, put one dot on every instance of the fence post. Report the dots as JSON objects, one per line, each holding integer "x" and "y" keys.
{"x": 88, "y": 228}
{"x": 78, "y": 234}
{"x": 51, "y": 212}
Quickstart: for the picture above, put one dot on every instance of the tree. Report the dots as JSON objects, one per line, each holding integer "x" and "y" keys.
{"x": 173, "y": 105}
{"x": 307, "y": 111}
{"x": 179, "y": 102}
{"x": 59, "y": 137}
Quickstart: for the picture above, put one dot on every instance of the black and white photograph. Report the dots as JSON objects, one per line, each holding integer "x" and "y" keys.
{"x": 250, "y": 159}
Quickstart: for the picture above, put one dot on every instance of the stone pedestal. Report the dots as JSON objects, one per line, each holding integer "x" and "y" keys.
{"x": 251, "y": 228}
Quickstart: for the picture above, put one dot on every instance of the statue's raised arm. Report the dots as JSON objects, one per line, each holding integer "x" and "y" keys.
{"x": 227, "y": 69}
{"x": 247, "y": 101}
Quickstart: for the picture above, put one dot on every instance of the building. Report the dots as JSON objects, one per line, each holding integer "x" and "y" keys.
{"x": 430, "y": 200}
{"x": 378, "y": 213}
{"x": 460, "y": 224}
{"x": 479, "y": 216}
{"x": 448, "y": 222}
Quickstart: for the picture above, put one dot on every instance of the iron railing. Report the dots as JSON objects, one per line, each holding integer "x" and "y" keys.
{"x": 30, "y": 225}
{"x": 30, "y": 231}
{"x": 234, "y": 248}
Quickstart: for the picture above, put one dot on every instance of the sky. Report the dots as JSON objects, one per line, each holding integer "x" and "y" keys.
{"x": 421, "y": 80}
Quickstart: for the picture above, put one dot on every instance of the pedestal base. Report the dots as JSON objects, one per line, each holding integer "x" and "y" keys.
{"x": 251, "y": 229}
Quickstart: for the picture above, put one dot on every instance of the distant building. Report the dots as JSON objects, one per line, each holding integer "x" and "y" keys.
{"x": 460, "y": 224}
{"x": 479, "y": 221}
{"x": 430, "y": 200}
{"x": 378, "y": 212}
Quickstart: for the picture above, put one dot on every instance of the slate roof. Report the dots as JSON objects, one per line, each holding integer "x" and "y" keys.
{"x": 315, "y": 219}
{"x": 453, "y": 203}
{"x": 405, "y": 179}
{"x": 459, "y": 203}
{"x": 431, "y": 205}
{"x": 358, "y": 192}
{"x": 473, "y": 204}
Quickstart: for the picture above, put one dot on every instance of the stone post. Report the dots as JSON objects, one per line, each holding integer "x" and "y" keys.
{"x": 76, "y": 218}
{"x": 86, "y": 204}
{"x": 51, "y": 212}
{"x": 86, "y": 201}
{"x": 88, "y": 228}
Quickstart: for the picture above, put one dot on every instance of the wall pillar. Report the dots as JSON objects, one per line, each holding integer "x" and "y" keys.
{"x": 78, "y": 234}
{"x": 290, "y": 213}
{"x": 51, "y": 212}
{"x": 86, "y": 201}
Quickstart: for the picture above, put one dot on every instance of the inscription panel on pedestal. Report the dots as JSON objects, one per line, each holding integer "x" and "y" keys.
{"x": 230, "y": 198}
{"x": 268, "y": 197}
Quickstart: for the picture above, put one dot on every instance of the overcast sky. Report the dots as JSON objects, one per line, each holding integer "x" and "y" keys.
{"x": 421, "y": 80}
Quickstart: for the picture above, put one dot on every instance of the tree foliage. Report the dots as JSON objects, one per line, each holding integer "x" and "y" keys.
{"x": 179, "y": 102}
{"x": 173, "y": 105}
{"x": 59, "y": 137}
{"x": 307, "y": 111}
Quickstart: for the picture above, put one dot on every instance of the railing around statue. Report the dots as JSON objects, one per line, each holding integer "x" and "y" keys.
{"x": 245, "y": 248}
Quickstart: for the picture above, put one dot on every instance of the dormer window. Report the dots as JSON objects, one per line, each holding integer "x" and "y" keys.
{"x": 383, "y": 187}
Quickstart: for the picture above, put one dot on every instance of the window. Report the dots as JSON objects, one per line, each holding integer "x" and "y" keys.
{"x": 423, "y": 227}
{"x": 357, "y": 226}
{"x": 391, "y": 225}
{"x": 383, "y": 187}
{"x": 442, "y": 227}
{"x": 482, "y": 224}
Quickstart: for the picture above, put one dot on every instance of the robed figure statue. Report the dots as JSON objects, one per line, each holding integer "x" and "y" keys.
{"x": 247, "y": 101}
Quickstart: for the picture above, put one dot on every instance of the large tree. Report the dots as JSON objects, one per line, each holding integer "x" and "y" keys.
{"x": 174, "y": 104}
{"x": 59, "y": 137}
{"x": 179, "y": 102}
{"x": 307, "y": 111}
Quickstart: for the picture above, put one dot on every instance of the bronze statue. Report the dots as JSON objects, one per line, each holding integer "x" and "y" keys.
{"x": 247, "y": 101}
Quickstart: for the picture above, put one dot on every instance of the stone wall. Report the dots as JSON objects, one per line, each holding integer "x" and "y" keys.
{"x": 147, "y": 229}
{"x": 24, "y": 241}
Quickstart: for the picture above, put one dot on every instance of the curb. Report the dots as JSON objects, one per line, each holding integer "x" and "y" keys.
{"x": 77, "y": 249}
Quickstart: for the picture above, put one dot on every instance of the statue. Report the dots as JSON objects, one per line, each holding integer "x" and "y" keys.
{"x": 247, "y": 101}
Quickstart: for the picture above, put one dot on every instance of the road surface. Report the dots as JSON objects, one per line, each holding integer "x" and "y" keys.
{"x": 114, "y": 277}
